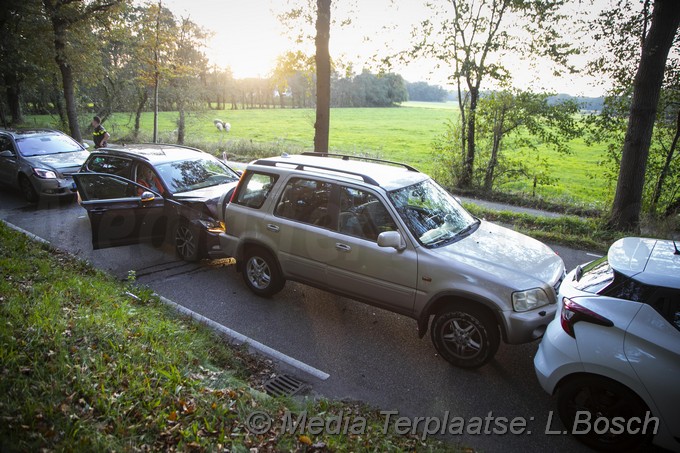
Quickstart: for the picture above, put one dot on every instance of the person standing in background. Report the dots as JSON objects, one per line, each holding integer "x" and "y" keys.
{"x": 99, "y": 135}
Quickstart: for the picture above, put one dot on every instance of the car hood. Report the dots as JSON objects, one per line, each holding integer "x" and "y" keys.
{"x": 60, "y": 161}
{"x": 518, "y": 260}
{"x": 208, "y": 196}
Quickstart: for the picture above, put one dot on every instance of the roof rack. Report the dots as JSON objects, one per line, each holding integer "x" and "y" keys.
{"x": 301, "y": 166}
{"x": 370, "y": 159}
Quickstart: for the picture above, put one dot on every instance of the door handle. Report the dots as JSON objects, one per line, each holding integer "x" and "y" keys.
{"x": 98, "y": 211}
{"x": 272, "y": 227}
{"x": 343, "y": 247}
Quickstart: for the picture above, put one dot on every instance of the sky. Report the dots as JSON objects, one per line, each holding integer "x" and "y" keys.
{"x": 248, "y": 37}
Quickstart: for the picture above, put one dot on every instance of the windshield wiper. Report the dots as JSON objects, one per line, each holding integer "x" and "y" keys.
{"x": 469, "y": 228}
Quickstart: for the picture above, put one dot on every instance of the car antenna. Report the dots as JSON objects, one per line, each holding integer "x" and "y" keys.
{"x": 677, "y": 252}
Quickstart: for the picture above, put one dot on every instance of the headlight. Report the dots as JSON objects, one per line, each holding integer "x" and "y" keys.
{"x": 529, "y": 299}
{"x": 213, "y": 226}
{"x": 45, "y": 174}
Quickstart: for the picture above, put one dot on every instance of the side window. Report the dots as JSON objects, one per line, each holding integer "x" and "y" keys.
{"x": 254, "y": 189}
{"x": 629, "y": 289}
{"x": 363, "y": 215}
{"x": 6, "y": 144}
{"x": 305, "y": 200}
{"x": 111, "y": 165}
{"x": 667, "y": 303}
{"x": 104, "y": 187}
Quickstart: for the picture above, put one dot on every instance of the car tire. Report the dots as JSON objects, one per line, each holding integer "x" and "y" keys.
{"x": 186, "y": 240}
{"x": 601, "y": 397}
{"x": 465, "y": 335}
{"x": 27, "y": 189}
{"x": 261, "y": 272}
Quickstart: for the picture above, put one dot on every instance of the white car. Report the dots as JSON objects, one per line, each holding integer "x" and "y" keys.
{"x": 612, "y": 353}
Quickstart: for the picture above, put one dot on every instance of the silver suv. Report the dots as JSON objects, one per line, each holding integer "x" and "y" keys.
{"x": 388, "y": 235}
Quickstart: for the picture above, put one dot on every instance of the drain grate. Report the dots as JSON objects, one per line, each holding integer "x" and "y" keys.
{"x": 283, "y": 385}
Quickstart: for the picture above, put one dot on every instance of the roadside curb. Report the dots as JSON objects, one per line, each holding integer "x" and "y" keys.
{"x": 242, "y": 339}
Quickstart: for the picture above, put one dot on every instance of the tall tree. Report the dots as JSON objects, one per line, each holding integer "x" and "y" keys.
{"x": 323, "y": 76}
{"x": 188, "y": 64}
{"x": 64, "y": 15}
{"x": 647, "y": 84}
{"x": 21, "y": 53}
{"x": 469, "y": 36}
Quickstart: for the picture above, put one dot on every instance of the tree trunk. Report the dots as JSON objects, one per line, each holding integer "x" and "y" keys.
{"x": 140, "y": 109}
{"x": 181, "y": 125}
{"x": 625, "y": 214}
{"x": 465, "y": 180}
{"x": 493, "y": 160}
{"x": 66, "y": 77}
{"x": 323, "y": 76}
{"x": 156, "y": 84}
{"x": 14, "y": 97}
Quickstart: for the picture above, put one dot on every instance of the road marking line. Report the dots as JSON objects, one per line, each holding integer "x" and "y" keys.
{"x": 594, "y": 255}
{"x": 263, "y": 348}
{"x": 239, "y": 337}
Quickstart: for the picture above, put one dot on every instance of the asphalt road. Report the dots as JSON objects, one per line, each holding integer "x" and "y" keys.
{"x": 371, "y": 355}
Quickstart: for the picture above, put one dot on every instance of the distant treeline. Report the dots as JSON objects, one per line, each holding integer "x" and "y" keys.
{"x": 585, "y": 103}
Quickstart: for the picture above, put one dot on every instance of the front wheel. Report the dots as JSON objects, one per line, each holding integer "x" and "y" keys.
{"x": 187, "y": 241}
{"x": 597, "y": 403}
{"x": 261, "y": 273}
{"x": 465, "y": 336}
{"x": 27, "y": 189}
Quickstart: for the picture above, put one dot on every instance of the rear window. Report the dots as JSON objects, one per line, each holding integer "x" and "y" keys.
{"x": 595, "y": 276}
{"x": 112, "y": 165}
{"x": 254, "y": 189}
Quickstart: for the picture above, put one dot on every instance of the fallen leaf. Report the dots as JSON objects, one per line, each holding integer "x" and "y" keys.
{"x": 305, "y": 440}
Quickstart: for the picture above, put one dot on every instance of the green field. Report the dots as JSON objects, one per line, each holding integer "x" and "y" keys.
{"x": 403, "y": 133}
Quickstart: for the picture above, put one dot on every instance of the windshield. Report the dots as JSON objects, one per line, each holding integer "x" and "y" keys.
{"x": 187, "y": 175}
{"x": 432, "y": 214}
{"x": 47, "y": 144}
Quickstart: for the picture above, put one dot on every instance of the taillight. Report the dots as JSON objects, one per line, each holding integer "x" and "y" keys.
{"x": 573, "y": 313}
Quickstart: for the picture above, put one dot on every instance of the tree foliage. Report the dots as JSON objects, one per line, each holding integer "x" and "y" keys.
{"x": 512, "y": 128}
{"x": 469, "y": 37}
{"x": 652, "y": 184}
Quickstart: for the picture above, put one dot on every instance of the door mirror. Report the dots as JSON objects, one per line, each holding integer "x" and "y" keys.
{"x": 147, "y": 197}
{"x": 6, "y": 153}
{"x": 391, "y": 239}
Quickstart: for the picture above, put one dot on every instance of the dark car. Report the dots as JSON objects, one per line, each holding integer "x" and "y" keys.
{"x": 40, "y": 162}
{"x": 155, "y": 192}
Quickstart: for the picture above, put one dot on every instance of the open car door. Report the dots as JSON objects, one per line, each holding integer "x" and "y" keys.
{"x": 121, "y": 211}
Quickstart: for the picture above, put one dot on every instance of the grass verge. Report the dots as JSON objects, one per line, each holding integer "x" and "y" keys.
{"x": 572, "y": 231}
{"x": 88, "y": 363}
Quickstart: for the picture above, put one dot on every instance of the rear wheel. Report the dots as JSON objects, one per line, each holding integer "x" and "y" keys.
{"x": 465, "y": 335}
{"x": 261, "y": 273}
{"x": 599, "y": 401}
{"x": 187, "y": 241}
{"x": 27, "y": 189}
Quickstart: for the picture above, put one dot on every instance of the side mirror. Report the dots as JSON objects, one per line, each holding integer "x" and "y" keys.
{"x": 147, "y": 197}
{"x": 6, "y": 153}
{"x": 391, "y": 239}
{"x": 86, "y": 145}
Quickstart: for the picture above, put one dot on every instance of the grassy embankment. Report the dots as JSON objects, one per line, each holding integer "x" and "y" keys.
{"x": 86, "y": 365}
